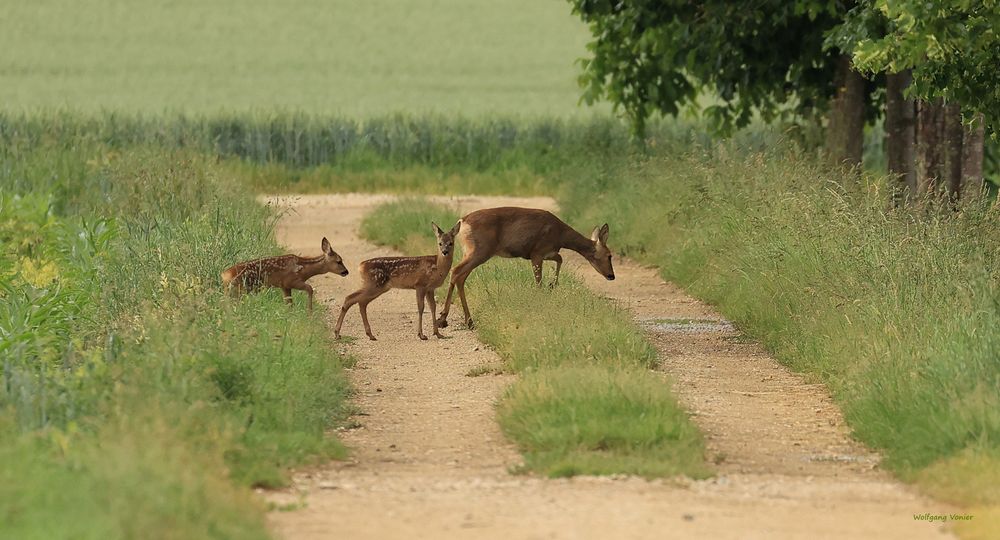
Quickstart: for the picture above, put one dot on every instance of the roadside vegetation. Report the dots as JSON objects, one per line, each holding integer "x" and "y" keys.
{"x": 897, "y": 310}
{"x": 586, "y": 401}
{"x": 136, "y": 400}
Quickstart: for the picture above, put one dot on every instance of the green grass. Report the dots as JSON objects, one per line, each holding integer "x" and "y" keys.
{"x": 586, "y": 401}
{"x": 513, "y": 57}
{"x": 413, "y": 153}
{"x": 897, "y": 311}
{"x": 135, "y": 398}
{"x": 301, "y": 153}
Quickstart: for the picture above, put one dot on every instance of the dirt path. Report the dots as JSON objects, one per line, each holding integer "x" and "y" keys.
{"x": 429, "y": 461}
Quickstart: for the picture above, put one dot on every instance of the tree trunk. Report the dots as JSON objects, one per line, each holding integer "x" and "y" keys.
{"x": 972, "y": 155}
{"x": 953, "y": 133}
{"x": 930, "y": 136}
{"x": 900, "y": 128}
{"x": 845, "y": 129}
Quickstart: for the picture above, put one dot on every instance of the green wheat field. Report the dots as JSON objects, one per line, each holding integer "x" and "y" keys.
{"x": 511, "y": 57}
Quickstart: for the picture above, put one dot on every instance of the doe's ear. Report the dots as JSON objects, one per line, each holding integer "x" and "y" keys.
{"x": 437, "y": 230}
{"x": 600, "y": 234}
{"x": 454, "y": 230}
{"x": 326, "y": 246}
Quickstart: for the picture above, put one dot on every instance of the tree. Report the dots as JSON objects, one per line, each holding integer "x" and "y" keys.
{"x": 950, "y": 49}
{"x": 900, "y": 128}
{"x": 654, "y": 56}
{"x": 847, "y": 116}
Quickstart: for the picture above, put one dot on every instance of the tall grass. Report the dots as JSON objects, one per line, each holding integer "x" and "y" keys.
{"x": 586, "y": 401}
{"x": 291, "y": 152}
{"x": 896, "y": 310}
{"x": 136, "y": 399}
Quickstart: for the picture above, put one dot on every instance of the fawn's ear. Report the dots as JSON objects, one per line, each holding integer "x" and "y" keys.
{"x": 437, "y": 230}
{"x": 454, "y": 230}
{"x": 326, "y": 246}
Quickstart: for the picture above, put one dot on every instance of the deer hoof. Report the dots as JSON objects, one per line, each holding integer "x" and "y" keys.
{"x": 437, "y": 335}
{"x": 442, "y": 322}
{"x": 469, "y": 324}
{"x": 421, "y": 336}
{"x": 371, "y": 337}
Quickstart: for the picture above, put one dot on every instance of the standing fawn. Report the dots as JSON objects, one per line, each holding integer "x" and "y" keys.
{"x": 424, "y": 274}
{"x": 525, "y": 233}
{"x": 285, "y": 272}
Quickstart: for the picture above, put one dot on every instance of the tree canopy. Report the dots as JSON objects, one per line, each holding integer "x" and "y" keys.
{"x": 652, "y": 56}
{"x": 951, "y": 46}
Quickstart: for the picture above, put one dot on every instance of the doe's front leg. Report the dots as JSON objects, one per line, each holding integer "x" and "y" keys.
{"x": 434, "y": 322}
{"x": 536, "y": 266}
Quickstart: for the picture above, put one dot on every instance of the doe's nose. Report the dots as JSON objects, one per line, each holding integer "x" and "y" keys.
{"x": 611, "y": 277}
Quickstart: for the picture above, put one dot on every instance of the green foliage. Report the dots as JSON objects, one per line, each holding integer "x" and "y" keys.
{"x": 586, "y": 401}
{"x": 897, "y": 312}
{"x": 363, "y": 59}
{"x": 134, "y": 395}
{"x": 656, "y": 57}
{"x": 951, "y": 46}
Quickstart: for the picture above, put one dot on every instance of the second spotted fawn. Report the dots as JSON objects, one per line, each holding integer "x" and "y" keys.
{"x": 285, "y": 272}
{"x": 423, "y": 274}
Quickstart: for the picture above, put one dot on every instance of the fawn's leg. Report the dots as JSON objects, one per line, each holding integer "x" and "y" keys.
{"x": 309, "y": 291}
{"x": 430, "y": 300}
{"x": 349, "y": 301}
{"x": 303, "y": 286}
{"x": 558, "y": 259}
{"x": 363, "y": 306}
{"x": 288, "y": 295}
{"x": 420, "y": 314}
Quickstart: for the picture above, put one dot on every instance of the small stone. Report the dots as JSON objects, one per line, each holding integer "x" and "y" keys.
{"x": 688, "y": 517}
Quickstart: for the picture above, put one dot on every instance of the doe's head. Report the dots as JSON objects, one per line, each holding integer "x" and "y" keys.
{"x": 446, "y": 240}
{"x": 331, "y": 261}
{"x": 601, "y": 257}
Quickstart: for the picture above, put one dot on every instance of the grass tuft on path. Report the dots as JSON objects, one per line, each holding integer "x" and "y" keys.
{"x": 586, "y": 401}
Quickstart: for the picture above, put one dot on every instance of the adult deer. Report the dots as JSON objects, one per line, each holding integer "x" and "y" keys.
{"x": 285, "y": 272}
{"x": 526, "y": 233}
{"x": 424, "y": 274}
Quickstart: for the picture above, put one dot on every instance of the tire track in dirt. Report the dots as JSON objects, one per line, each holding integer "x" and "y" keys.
{"x": 428, "y": 460}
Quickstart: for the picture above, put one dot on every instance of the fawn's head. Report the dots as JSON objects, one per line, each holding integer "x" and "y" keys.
{"x": 601, "y": 257}
{"x": 331, "y": 261}
{"x": 446, "y": 240}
